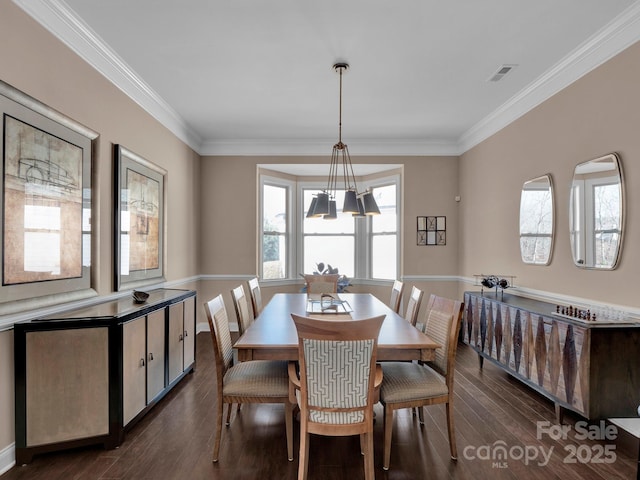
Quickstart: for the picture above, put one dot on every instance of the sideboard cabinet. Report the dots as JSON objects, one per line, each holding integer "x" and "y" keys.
{"x": 87, "y": 375}
{"x": 589, "y": 367}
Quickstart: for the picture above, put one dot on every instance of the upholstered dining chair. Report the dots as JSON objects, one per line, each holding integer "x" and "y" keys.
{"x": 322, "y": 283}
{"x": 244, "y": 312}
{"x": 396, "y": 296}
{"x": 254, "y": 381}
{"x": 409, "y": 385}
{"x": 336, "y": 383}
{"x": 256, "y": 296}
{"x": 413, "y": 306}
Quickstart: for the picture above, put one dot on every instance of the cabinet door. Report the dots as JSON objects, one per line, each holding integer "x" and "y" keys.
{"x": 133, "y": 368}
{"x": 176, "y": 336}
{"x": 189, "y": 332}
{"x": 155, "y": 354}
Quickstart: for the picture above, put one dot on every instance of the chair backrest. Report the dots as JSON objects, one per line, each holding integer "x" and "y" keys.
{"x": 322, "y": 283}
{"x": 256, "y": 296}
{"x": 244, "y": 312}
{"x": 220, "y": 335}
{"x": 396, "y": 296}
{"x": 443, "y": 326}
{"x": 413, "y": 306}
{"x": 337, "y": 368}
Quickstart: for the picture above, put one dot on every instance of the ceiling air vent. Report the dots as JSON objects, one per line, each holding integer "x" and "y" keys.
{"x": 502, "y": 71}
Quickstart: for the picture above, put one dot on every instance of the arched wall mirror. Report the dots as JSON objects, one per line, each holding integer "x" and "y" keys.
{"x": 596, "y": 213}
{"x": 536, "y": 221}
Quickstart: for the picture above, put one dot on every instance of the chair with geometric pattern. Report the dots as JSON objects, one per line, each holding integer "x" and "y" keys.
{"x": 409, "y": 385}
{"x": 335, "y": 386}
{"x": 255, "y": 381}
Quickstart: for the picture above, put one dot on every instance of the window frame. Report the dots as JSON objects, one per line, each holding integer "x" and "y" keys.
{"x": 363, "y": 261}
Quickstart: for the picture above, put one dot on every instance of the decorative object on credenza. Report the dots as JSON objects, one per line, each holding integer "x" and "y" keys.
{"x": 499, "y": 282}
{"x": 139, "y": 296}
{"x": 46, "y": 204}
{"x": 140, "y": 229}
{"x": 432, "y": 230}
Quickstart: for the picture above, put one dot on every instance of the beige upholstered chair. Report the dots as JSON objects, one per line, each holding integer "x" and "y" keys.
{"x": 413, "y": 306}
{"x": 408, "y": 385}
{"x": 256, "y": 296}
{"x": 336, "y": 384}
{"x": 244, "y": 312}
{"x": 256, "y": 381}
{"x": 322, "y": 283}
{"x": 396, "y": 296}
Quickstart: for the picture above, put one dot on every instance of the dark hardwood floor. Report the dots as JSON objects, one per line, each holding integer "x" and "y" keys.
{"x": 175, "y": 439}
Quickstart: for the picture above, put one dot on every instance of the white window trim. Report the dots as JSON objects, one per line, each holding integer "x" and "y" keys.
{"x": 295, "y": 253}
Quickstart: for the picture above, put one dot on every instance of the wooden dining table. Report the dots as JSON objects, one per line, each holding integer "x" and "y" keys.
{"x": 273, "y": 336}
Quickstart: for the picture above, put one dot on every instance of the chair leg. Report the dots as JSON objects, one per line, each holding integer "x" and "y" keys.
{"x": 288, "y": 420}
{"x": 216, "y": 443}
{"x": 369, "y": 468}
{"x": 229, "y": 407}
{"x": 452, "y": 433}
{"x": 303, "y": 465}
{"x": 388, "y": 428}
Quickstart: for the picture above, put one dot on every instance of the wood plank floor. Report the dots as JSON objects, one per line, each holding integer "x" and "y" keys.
{"x": 175, "y": 439}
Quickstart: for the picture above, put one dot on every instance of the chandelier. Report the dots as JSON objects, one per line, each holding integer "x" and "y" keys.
{"x": 357, "y": 203}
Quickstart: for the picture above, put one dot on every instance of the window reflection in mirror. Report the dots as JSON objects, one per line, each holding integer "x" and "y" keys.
{"x": 536, "y": 221}
{"x": 596, "y": 213}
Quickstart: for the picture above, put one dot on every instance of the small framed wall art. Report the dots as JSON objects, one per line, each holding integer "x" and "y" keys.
{"x": 432, "y": 230}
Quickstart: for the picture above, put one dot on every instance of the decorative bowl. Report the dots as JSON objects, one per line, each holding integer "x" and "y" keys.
{"x": 139, "y": 296}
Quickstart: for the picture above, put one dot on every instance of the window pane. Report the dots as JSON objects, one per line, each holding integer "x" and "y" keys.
{"x": 337, "y": 251}
{"x": 383, "y": 256}
{"x": 274, "y": 209}
{"x": 386, "y": 199}
{"x": 274, "y": 258}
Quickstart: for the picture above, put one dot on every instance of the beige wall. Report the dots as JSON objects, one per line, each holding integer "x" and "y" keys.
{"x": 598, "y": 114}
{"x": 36, "y": 63}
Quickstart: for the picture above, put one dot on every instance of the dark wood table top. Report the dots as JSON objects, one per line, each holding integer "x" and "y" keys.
{"x": 273, "y": 334}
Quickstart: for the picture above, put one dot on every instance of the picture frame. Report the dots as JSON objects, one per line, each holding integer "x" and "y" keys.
{"x": 139, "y": 220}
{"x": 47, "y": 208}
{"x": 431, "y": 230}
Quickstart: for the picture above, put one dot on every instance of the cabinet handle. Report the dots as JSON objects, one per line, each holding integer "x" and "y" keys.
{"x": 150, "y": 356}
{"x": 142, "y": 362}
{"x": 186, "y": 333}
{"x": 180, "y": 338}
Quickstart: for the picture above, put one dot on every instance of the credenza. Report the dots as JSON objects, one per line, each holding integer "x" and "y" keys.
{"x": 589, "y": 367}
{"x": 87, "y": 375}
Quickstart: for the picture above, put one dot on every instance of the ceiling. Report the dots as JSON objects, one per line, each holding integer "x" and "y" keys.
{"x": 252, "y": 77}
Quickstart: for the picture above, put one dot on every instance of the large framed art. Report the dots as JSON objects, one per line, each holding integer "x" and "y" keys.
{"x": 139, "y": 220}
{"x": 46, "y": 204}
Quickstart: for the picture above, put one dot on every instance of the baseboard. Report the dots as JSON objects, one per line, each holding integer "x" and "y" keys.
{"x": 7, "y": 458}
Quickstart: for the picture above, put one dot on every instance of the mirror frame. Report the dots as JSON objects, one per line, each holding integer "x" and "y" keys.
{"x": 549, "y": 180}
{"x": 618, "y": 169}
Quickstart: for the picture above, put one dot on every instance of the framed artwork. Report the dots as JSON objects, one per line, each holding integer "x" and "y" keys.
{"x": 139, "y": 220}
{"x": 432, "y": 230}
{"x": 46, "y": 204}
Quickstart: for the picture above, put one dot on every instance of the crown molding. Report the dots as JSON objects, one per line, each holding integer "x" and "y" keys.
{"x": 62, "y": 22}
{"x": 57, "y": 17}
{"x": 620, "y": 33}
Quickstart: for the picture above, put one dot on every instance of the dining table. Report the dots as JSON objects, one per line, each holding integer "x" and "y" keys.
{"x": 273, "y": 336}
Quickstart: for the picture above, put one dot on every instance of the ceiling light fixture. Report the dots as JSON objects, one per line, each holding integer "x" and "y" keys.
{"x": 358, "y": 204}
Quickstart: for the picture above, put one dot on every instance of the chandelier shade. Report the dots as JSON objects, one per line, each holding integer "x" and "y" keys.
{"x": 356, "y": 203}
